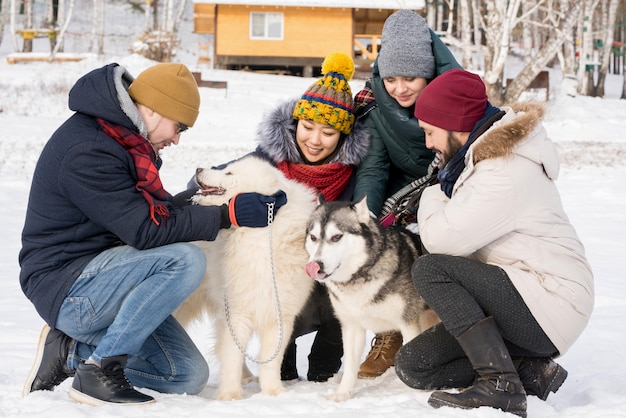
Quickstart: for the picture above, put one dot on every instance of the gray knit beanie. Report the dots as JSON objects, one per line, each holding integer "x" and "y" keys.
{"x": 406, "y": 47}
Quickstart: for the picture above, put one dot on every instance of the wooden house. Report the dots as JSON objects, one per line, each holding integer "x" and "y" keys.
{"x": 291, "y": 36}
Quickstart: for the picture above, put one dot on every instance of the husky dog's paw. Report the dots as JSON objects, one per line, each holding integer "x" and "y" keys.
{"x": 339, "y": 396}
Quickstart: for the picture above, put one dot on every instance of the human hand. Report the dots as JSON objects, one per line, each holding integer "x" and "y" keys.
{"x": 251, "y": 209}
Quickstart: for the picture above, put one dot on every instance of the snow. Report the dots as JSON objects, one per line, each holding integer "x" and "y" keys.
{"x": 589, "y": 132}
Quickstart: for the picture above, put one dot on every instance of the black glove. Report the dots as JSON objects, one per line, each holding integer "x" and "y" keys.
{"x": 184, "y": 198}
{"x": 250, "y": 209}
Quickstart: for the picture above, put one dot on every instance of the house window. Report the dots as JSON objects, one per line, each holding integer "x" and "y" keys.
{"x": 266, "y": 26}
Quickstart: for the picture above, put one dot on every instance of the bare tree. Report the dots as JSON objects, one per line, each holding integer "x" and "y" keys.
{"x": 500, "y": 20}
{"x": 586, "y": 54}
{"x": 97, "y": 34}
{"x": 159, "y": 41}
{"x": 3, "y": 14}
{"x": 566, "y": 55}
{"x": 466, "y": 33}
{"x": 608, "y": 16}
{"x": 561, "y": 23}
{"x": 61, "y": 36}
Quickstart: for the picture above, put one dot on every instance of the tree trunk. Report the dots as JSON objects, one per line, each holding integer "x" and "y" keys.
{"x": 466, "y": 34}
{"x": 28, "y": 24}
{"x": 567, "y": 61}
{"x": 501, "y": 19}
{"x": 608, "y": 23}
{"x": 431, "y": 14}
{"x": 3, "y": 15}
{"x": 586, "y": 69}
{"x": 63, "y": 29}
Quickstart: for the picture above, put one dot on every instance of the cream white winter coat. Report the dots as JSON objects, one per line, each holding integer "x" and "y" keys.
{"x": 505, "y": 210}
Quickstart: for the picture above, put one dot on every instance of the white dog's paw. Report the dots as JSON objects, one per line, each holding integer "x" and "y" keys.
{"x": 229, "y": 395}
{"x": 274, "y": 390}
{"x": 339, "y": 396}
{"x": 249, "y": 379}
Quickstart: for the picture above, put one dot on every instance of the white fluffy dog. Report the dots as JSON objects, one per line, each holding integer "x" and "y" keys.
{"x": 238, "y": 290}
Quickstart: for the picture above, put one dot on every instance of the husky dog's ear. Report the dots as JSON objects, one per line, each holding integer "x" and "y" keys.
{"x": 362, "y": 211}
{"x": 320, "y": 199}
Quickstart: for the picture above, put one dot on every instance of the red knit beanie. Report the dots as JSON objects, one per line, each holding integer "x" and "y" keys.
{"x": 453, "y": 101}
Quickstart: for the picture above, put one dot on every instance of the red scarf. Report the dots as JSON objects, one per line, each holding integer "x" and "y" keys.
{"x": 328, "y": 179}
{"x": 144, "y": 157}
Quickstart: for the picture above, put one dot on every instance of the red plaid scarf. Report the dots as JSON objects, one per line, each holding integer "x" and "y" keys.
{"x": 144, "y": 157}
{"x": 328, "y": 179}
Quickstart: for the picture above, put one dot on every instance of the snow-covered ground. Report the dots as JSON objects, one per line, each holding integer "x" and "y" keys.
{"x": 589, "y": 131}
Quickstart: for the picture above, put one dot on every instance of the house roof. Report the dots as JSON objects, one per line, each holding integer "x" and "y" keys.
{"x": 354, "y": 4}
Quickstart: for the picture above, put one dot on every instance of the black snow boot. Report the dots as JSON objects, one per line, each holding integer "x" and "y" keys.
{"x": 497, "y": 383}
{"x": 96, "y": 386}
{"x": 540, "y": 375}
{"x": 50, "y": 368}
{"x": 326, "y": 351}
{"x": 288, "y": 368}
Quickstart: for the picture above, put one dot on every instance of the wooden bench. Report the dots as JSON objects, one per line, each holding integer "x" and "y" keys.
{"x": 17, "y": 57}
{"x": 210, "y": 83}
{"x": 541, "y": 81}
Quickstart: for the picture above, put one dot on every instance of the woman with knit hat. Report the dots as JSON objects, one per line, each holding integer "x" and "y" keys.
{"x": 106, "y": 257}
{"x": 506, "y": 271}
{"x": 411, "y": 55}
{"x": 315, "y": 140}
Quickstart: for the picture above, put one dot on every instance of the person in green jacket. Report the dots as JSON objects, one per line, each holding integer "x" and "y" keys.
{"x": 411, "y": 55}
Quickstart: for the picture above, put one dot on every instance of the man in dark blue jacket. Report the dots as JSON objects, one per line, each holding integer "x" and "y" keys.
{"x": 106, "y": 256}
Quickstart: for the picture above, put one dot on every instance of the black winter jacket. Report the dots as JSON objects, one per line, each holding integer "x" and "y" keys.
{"x": 83, "y": 198}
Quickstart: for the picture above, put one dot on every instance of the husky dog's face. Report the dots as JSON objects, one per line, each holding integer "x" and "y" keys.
{"x": 219, "y": 184}
{"x": 334, "y": 240}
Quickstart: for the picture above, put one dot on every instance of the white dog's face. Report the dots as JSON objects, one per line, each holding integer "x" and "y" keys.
{"x": 250, "y": 174}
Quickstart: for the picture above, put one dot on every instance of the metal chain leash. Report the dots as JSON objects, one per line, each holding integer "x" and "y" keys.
{"x": 270, "y": 219}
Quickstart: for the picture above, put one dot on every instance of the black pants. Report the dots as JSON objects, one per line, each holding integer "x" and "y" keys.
{"x": 327, "y": 348}
{"x": 462, "y": 292}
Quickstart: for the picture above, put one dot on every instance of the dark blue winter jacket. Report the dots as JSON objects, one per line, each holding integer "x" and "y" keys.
{"x": 83, "y": 198}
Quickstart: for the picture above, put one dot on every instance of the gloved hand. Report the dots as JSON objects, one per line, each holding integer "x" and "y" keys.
{"x": 250, "y": 209}
{"x": 184, "y": 198}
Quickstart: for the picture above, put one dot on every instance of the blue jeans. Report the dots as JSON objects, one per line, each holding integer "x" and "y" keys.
{"x": 122, "y": 303}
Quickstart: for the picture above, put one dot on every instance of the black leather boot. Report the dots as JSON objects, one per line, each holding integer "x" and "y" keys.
{"x": 288, "y": 368}
{"x": 497, "y": 384}
{"x": 107, "y": 384}
{"x": 50, "y": 368}
{"x": 540, "y": 375}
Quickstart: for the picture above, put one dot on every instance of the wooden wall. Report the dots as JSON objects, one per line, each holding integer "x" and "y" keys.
{"x": 308, "y": 32}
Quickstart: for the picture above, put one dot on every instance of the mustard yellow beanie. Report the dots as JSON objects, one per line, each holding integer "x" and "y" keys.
{"x": 170, "y": 90}
{"x": 329, "y": 100}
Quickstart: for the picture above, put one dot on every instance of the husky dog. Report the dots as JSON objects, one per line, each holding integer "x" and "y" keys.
{"x": 367, "y": 270}
{"x": 244, "y": 274}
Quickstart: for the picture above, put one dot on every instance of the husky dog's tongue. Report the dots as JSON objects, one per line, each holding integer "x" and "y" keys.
{"x": 313, "y": 271}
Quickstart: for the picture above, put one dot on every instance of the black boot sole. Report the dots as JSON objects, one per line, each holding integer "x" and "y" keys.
{"x": 90, "y": 400}
{"x": 41, "y": 345}
{"x": 555, "y": 384}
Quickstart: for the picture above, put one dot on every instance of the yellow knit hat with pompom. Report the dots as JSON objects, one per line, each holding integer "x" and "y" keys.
{"x": 329, "y": 100}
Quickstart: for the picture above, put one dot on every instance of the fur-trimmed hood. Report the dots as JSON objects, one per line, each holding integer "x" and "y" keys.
{"x": 276, "y": 137}
{"x": 519, "y": 131}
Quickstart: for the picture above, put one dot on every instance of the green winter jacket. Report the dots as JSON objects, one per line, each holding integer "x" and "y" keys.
{"x": 398, "y": 153}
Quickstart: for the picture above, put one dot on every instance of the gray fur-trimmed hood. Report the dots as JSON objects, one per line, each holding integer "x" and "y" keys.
{"x": 276, "y": 137}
